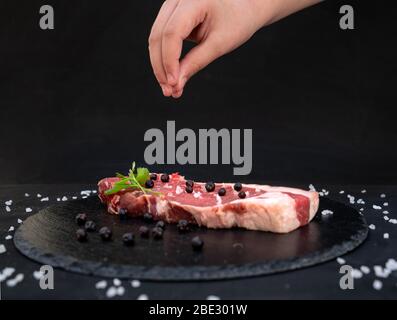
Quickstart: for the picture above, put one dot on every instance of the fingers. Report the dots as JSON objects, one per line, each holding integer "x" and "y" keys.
{"x": 195, "y": 60}
{"x": 155, "y": 44}
{"x": 185, "y": 18}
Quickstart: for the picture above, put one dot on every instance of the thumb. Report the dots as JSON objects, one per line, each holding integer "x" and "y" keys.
{"x": 196, "y": 59}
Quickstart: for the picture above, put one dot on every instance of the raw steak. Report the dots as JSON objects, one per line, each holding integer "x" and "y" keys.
{"x": 266, "y": 208}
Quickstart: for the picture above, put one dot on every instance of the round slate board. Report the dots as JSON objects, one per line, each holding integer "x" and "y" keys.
{"x": 49, "y": 238}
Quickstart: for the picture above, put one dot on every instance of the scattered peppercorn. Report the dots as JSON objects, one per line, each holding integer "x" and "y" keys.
{"x": 90, "y": 226}
{"x": 210, "y": 186}
{"x": 149, "y": 184}
{"x": 241, "y": 194}
{"x": 157, "y": 233}
{"x": 189, "y": 189}
{"x": 148, "y": 217}
{"x": 160, "y": 224}
{"x": 183, "y": 226}
{"x": 81, "y": 218}
{"x": 128, "y": 239}
{"x": 165, "y": 177}
{"x": 123, "y": 213}
{"x": 238, "y": 186}
{"x": 105, "y": 233}
{"x": 222, "y": 192}
{"x": 189, "y": 183}
{"x": 144, "y": 232}
{"x": 197, "y": 244}
{"x": 81, "y": 235}
{"x": 153, "y": 176}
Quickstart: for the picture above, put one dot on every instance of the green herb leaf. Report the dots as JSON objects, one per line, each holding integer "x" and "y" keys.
{"x": 142, "y": 175}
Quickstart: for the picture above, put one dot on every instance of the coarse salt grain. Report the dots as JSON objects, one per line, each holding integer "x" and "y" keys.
{"x": 10, "y": 229}
{"x": 19, "y": 221}
{"x": 74, "y": 197}
{"x": 116, "y": 282}
{"x": 8, "y": 209}
{"x": 135, "y": 283}
{"x": 326, "y": 212}
{"x": 341, "y": 260}
{"x": 9, "y": 237}
{"x": 64, "y": 198}
{"x": 391, "y": 264}
{"x": 111, "y": 292}
{"x": 383, "y": 195}
{"x": 38, "y": 275}
{"x": 386, "y": 236}
{"x": 376, "y": 207}
{"x": 2, "y": 248}
{"x": 38, "y": 195}
{"x": 28, "y": 210}
{"x": 372, "y": 227}
{"x": 377, "y": 284}
{"x": 27, "y": 195}
{"x": 120, "y": 291}
{"x": 385, "y": 204}
{"x": 8, "y": 203}
{"x": 393, "y": 221}
{"x": 386, "y": 218}
{"x": 385, "y": 212}
{"x": 13, "y": 282}
{"x": 44, "y": 199}
{"x": 363, "y": 191}
{"x": 365, "y": 269}
{"x": 356, "y": 274}
{"x": 213, "y": 297}
{"x": 143, "y": 297}
{"x": 342, "y": 192}
{"x": 381, "y": 272}
{"x": 101, "y": 284}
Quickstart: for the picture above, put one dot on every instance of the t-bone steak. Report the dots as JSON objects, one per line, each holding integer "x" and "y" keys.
{"x": 266, "y": 208}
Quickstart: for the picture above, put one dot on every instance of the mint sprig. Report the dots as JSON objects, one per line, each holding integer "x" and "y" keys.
{"x": 135, "y": 179}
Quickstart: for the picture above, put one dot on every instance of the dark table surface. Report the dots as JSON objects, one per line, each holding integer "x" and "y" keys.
{"x": 321, "y": 281}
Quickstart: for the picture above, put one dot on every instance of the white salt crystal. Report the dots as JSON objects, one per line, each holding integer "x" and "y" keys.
{"x": 111, "y": 292}
{"x": 8, "y": 203}
{"x": 44, "y": 199}
{"x": 377, "y": 284}
{"x": 383, "y": 195}
{"x": 385, "y": 236}
{"x": 101, "y": 284}
{"x": 64, "y": 198}
{"x": 28, "y": 210}
{"x": 9, "y": 237}
{"x": 2, "y": 248}
{"x": 10, "y": 229}
{"x": 38, "y": 275}
{"x": 341, "y": 260}
{"x": 213, "y": 297}
{"x": 116, "y": 282}
{"x": 326, "y": 212}
{"x": 135, "y": 283}
{"x": 8, "y": 209}
{"x": 19, "y": 221}
{"x": 143, "y": 297}
{"x": 385, "y": 204}
{"x": 120, "y": 291}
{"x": 342, "y": 192}
{"x": 376, "y": 207}
{"x": 372, "y": 227}
{"x": 365, "y": 269}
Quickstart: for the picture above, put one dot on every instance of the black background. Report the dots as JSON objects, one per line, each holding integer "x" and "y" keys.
{"x": 75, "y": 101}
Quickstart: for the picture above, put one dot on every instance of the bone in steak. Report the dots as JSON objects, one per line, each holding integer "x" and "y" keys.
{"x": 266, "y": 208}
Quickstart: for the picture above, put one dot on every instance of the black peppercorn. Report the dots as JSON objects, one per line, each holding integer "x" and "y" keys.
{"x": 149, "y": 184}
{"x": 183, "y": 226}
{"x": 238, "y": 186}
{"x": 222, "y": 192}
{"x": 148, "y": 217}
{"x": 123, "y": 213}
{"x": 165, "y": 177}
{"x": 144, "y": 232}
{"x": 189, "y": 183}
{"x": 105, "y": 233}
{"x": 210, "y": 186}
{"x": 128, "y": 239}
{"x": 157, "y": 233}
{"x": 81, "y": 218}
{"x": 197, "y": 244}
{"x": 241, "y": 194}
{"x": 189, "y": 189}
{"x": 160, "y": 224}
{"x": 90, "y": 226}
{"x": 153, "y": 176}
{"x": 81, "y": 235}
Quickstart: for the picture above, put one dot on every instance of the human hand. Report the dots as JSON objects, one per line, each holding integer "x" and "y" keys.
{"x": 217, "y": 26}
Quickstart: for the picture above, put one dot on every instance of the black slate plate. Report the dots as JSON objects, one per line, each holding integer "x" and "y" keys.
{"x": 49, "y": 238}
